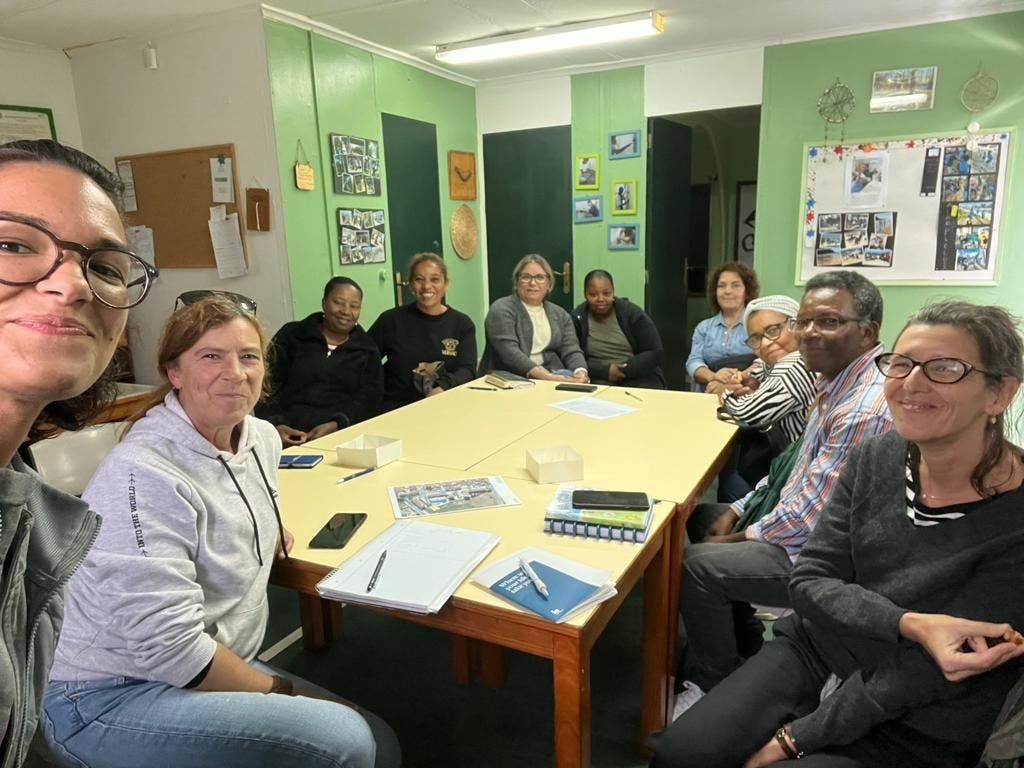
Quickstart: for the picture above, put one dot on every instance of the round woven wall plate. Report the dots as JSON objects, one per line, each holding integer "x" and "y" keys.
{"x": 465, "y": 233}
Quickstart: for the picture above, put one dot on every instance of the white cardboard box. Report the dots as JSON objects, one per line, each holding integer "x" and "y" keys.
{"x": 556, "y": 464}
{"x": 369, "y": 451}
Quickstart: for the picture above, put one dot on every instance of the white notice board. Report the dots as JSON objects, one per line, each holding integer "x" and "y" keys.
{"x": 905, "y": 210}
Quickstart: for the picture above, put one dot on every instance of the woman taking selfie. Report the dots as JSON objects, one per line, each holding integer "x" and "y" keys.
{"x": 156, "y": 664}
{"x": 66, "y": 283}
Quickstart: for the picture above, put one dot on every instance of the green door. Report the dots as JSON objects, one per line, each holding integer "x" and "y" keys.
{"x": 529, "y": 206}
{"x": 414, "y": 202}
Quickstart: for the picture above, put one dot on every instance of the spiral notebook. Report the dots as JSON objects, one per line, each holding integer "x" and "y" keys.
{"x": 563, "y": 518}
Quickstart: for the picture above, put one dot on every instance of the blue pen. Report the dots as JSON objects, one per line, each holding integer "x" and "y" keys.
{"x": 354, "y": 475}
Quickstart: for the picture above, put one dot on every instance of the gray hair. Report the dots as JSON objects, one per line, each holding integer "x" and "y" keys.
{"x": 533, "y": 258}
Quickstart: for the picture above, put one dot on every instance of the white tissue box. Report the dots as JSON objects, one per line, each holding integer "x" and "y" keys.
{"x": 369, "y": 451}
{"x": 557, "y": 464}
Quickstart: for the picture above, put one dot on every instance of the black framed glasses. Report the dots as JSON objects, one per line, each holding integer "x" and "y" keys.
{"x": 941, "y": 370}
{"x": 532, "y": 278}
{"x": 191, "y": 297}
{"x": 29, "y": 254}
{"x": 770, "y": 332}
{"x": 826, "y": 324}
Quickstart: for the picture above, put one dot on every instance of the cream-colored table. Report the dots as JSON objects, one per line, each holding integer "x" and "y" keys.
{"x": 672, "y": 447}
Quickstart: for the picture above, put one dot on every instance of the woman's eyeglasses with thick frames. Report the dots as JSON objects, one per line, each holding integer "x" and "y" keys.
{"x": 941, "y": 370}
{"x": 771, "y": 332}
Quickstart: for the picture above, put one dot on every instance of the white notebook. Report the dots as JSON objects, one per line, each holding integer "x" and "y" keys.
{"x": 424, "y": 565}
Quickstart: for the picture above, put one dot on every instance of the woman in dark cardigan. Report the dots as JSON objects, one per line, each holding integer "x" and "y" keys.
{"x": 621, "y": 343}
{"x": 325, "y": 369}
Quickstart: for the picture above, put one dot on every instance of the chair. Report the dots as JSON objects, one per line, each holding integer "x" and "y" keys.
{"x": 68, "y": 460}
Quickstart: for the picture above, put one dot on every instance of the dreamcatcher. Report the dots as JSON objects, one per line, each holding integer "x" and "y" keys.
{"x": 977, "y": 95}
{"x": 835, "y": 105}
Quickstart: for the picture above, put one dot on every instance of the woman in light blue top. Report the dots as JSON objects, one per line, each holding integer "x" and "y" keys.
{"x": 719, "y": 350}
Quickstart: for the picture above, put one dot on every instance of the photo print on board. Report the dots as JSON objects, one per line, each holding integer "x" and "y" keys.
{"x": 361, "y": 236}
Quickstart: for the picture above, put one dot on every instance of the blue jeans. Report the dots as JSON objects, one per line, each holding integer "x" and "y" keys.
{"x": 127, "y": 722}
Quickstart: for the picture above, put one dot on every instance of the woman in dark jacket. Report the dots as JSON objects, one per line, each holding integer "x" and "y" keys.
{"x": 619, "y": 340}
{"x": 325, "y": 370}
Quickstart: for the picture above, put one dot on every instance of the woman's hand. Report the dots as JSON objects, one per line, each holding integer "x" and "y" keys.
{"x": 769, "y": 754}
{"x": 944, "y": 638}
{"x": 580, "y": 377}
{"x": 715, "y": 387}
{"x": 322, "y": 429}
{"x": 727, "y": 375}
{"x": 289, "y": 544}
{"x": 435, "y": 391}
{"x": 616, "y": 372}
{"x": 290, "y": 435}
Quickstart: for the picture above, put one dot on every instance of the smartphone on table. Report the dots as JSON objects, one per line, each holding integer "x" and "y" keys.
{"x": 338, "y": 530}
{"x": 305, "y": 461}
{"x": 570, "y": 387}
{"x": 610, "y": 500}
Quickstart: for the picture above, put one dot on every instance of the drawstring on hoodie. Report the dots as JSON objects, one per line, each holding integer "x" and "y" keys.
{"x": 248, "y": 506}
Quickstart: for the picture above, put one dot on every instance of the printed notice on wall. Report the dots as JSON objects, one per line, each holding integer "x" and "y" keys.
{"x": 227, "y": 246}
{"x": 220, "y": 178}
{"x": 128, "y": 199}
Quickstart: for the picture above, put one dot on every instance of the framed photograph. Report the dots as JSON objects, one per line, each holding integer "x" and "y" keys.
{"x": 623, "y": 237}
{"x": 587, "y": 209}
{"x": 355, "y": 165}
{"x": 746, "y": 204}
{"x": 903, "y": 90}
{"x": 623, "y": 144}
{"x": 361, "y": 236}
{"x": 587, "y": 172}
{"x": 624, "y": 197}
{"x": 26, "y": 123}
{"x": 461, "y": 175}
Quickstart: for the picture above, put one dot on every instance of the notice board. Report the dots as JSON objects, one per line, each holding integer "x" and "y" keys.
{"x": 919, "y": 209}
{"x": 173, "y": 195}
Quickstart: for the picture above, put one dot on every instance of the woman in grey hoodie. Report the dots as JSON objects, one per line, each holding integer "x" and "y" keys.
{"x": 156, "y": 665}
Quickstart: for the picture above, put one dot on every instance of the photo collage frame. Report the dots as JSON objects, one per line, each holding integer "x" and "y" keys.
{"x": 356, "y": 164}
{"x": 361, "y": 236}
{"x": 622, "y": 195}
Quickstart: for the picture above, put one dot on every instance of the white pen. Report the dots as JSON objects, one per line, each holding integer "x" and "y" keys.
{"x": 532, "y": 574}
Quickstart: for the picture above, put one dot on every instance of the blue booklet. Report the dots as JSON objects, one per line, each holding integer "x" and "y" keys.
{"x": 571, "y": 586}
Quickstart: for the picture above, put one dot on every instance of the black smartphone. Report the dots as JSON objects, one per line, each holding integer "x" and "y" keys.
{"x": 305, "y": 461}
{"x": 577, "y": 387}
{"x": 610, "y": 500}
{"x": 338, "y": 531}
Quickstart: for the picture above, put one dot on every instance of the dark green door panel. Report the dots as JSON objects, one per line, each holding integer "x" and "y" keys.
{"x": 414, "y": 208}
{"x": 528, "y": 204}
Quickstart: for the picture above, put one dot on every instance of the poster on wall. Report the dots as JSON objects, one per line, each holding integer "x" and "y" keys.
{"x": 361, "y": 236}
{"x": 356, "y": 164}
{"x": 746, "y": 204}
{"x": 17, "y": 123}
{"x": 907, "y": 210}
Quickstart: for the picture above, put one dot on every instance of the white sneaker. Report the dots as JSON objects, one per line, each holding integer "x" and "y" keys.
{"x": 686, "y": 698}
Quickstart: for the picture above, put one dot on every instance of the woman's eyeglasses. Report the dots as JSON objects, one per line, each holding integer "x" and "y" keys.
{"x": 771, "y": 332}
{"x": 941, "y": 370}
{"x": 533, "y": 278}
{"x": 191, "y": 297}
{"x": 29, "y": 254}
{"x": 827, "y": 324}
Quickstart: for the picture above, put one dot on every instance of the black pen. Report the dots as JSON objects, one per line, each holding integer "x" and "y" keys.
{"x": 630, "y": 394}
{"x": 376, "y": 572}
{"x": 354, "y": 475}
{"x": 484, "y": 389}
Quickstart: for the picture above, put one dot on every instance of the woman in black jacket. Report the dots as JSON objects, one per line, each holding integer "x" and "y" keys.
{"x": 325, "y": 370}
{"x": 619, "y": 340}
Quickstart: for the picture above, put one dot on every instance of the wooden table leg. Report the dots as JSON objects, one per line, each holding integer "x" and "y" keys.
{"x": 321, "y": 621}
{"x": 657, "y": 645}
{"x": 571, "y": 665}
{"x": 477, "y": 659}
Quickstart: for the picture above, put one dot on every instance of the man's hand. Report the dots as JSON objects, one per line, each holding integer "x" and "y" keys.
{"x": 722, "y": 526}
{"x": 770, "y": 754}
{"x": 290, "y": 435}
{"x": 289, "y": 544}
{"x": 322, "y": 429}
{"x": 944, "y": 638}
{"x": 728, "y": 538}
{"x": 616, "y": 372}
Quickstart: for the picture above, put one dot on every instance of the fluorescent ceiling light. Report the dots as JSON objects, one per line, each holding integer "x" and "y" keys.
{"x": 552, "y": 39}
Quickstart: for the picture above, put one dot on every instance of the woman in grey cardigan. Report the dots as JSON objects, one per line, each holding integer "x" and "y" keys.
{"x": 530, "y": 336}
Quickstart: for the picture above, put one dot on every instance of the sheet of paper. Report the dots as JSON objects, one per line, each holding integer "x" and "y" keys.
{"x": 140, "y": 241}
{"x": 220, "y": 178}
{"x": 227, "y": 247}
{"x": 593, "y": 408}
{"x": 218, "y": 212}
{"x": 127, "y": 176}
{"x": 450, "y": 496}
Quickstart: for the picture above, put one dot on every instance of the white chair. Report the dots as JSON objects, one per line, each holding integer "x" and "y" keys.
{"x": 68, "y": 460}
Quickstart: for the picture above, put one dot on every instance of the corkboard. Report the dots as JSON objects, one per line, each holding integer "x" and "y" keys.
{"x": 174, "y": 195}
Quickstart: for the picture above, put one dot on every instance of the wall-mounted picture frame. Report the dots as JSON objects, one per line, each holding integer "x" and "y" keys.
{"x": 361, "y": 236}
{"x": 18, "y": 123}
{"x": 355, "y": 161}
{"x": 622, "y": 144}
{"x": 903, "y": 90}
{"x": 587, "y": 172}
{"x": 461, "y": 175}
{"x": 587, "y": 209}
{"x": 623, "y": 237}
{"x": 746, "y": 205}
{"x": 624, "y": 197}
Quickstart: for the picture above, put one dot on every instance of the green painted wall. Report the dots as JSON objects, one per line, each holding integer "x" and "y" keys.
{"x": 603, "y": 102}
{"x": 320, "y": 86}
{"x": 794, "y": 77}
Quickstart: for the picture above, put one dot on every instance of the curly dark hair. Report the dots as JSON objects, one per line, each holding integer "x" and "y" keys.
{"x": 751, "y": 288}
{"x": 73, "y": 413}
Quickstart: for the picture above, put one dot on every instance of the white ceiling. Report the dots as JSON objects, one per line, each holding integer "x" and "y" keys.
{"x": 414, "y": 27}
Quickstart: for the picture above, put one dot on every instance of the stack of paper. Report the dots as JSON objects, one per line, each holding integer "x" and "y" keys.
{"x": 571, "y": 586}
{"x": 423, "y": 565}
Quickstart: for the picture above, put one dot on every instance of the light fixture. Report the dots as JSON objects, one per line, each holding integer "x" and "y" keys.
{"x": 549, "y": 39}
{"x": 149, "y": 56}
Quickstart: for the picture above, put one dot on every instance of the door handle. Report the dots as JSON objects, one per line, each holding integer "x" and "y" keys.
{"x": 399, "y": 284}
{"x": 566, "y": 275}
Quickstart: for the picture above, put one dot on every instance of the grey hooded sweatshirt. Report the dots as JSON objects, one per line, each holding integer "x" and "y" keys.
{"x": 176, "y": 567}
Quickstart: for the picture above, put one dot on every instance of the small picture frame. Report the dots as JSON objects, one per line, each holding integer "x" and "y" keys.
{"x": 587, "y": 172}
{"x": 587, "y": 209}
{"x": 622, "y": 144}
{"x": 461, "y": 175}
{"x": 903, "y": 90}
{"x": 623, "y": 237}
{"x": 624, "y": 197}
